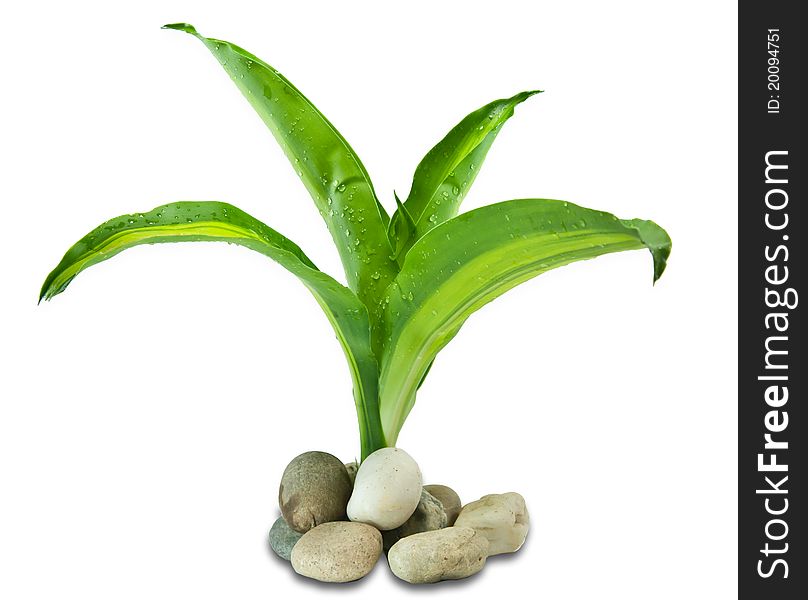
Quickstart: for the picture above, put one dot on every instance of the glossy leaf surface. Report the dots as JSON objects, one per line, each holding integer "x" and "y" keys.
{"x": 470, "y": 260}
{"x": 221, "y": 222}
{"x": 327, "y": 165}
{"x": 444, "y": 176}
{"x": 414, "y": 279}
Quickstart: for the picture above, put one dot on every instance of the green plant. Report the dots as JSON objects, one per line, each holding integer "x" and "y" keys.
{"x": 413, "y": 278}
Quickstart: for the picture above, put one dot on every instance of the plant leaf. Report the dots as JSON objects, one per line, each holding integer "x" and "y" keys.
{"x": 221, "y": 222}
{"x": 468, "y": 261}
{"x": 444, "y": 176}
{"x": 401, "y": 229}
{"x": 327, "y": 165}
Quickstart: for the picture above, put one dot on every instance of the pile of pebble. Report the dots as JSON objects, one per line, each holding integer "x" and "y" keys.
{"x": 337, "y": 519}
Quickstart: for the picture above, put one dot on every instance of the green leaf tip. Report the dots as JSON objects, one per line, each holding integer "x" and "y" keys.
{"x": 522, "y": 96}
{"x": 656, "y": 240}
{"x": 402, "y": 208}
{"x": 186, "y": 27}
{"x": 400, "y": 230}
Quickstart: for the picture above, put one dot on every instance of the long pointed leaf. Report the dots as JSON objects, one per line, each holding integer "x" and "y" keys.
{"x": 444, "y": 176}
{"x": 327, "y": 165}
{"x": 468, "y": 261}
{"x": 221, "y": 222}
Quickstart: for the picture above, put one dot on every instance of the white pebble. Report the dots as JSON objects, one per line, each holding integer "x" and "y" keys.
{"x": 387, "y": 489}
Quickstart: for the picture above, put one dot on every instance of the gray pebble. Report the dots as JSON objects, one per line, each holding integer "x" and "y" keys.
{"x": 428, "y": 516}
{"x": 449, "y": 498}
{"x": 352, "y": 468}
{"x": 315, "y": 488}
{"x": 283, "y": 538}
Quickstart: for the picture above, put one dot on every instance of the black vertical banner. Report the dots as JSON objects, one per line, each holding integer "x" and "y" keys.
{"x": 773, "y": 233}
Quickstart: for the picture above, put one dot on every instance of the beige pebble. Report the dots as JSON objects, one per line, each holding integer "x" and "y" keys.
{"x": 449, "y": 553}
{"x": 502, "y": 518}
{"x": 337, "y": 552}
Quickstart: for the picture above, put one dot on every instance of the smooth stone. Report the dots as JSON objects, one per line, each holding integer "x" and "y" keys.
{"x": 428, "y": 516}
{"x": 449, "y": 498}
{"x": 352, "y": 468}
{"x": 449, "y": 553}
{"x": 387, "y": 489}
{"x": 337, "y": 552}
{"x": 283, "y": 538}
{"x": 501, "y": 518}
{"x": 314, "y": 489}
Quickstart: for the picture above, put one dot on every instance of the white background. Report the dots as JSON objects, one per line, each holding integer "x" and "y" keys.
{"x": 148, "y": 413}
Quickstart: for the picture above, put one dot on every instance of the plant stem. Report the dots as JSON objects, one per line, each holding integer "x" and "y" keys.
{"x": 371, "y": 434}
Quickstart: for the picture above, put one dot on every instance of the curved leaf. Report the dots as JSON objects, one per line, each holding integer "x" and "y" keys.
{"x": 221, "y": 222}
{"x": 327, "y": 165}
{"x": 444, "y": 176}
{"x": 468, "y": 261}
